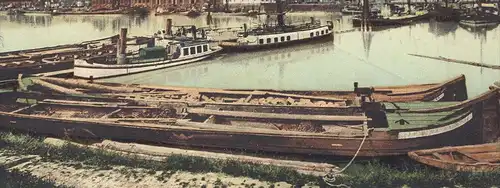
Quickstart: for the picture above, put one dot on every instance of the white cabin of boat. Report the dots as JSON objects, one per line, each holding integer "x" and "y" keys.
{"x": 277, "y": 35}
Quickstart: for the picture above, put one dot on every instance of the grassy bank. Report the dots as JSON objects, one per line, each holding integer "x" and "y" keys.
{"x": 15, "y": 179}
{"x": 371, "y": 174}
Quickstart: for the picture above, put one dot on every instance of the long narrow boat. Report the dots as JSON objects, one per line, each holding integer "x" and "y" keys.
{"x": 38, "y": 53}
{"x": 378, "y": 129}
{"x": 470, "y": 158}
{"x": 62, "y": 61}
{"x": 449, "y": 90}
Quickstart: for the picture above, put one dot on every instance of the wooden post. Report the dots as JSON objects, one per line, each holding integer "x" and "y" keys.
{"x": 168, "y": 30}
{"x": 122, "y": 46}
{"x": 409, "y": 6}
{"x": 245, "y": 29}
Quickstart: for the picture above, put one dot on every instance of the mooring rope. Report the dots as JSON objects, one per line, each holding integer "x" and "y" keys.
{"x": 331, "y": 177}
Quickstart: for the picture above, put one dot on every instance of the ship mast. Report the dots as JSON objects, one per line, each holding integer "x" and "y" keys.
{"x": 280, "y": 13}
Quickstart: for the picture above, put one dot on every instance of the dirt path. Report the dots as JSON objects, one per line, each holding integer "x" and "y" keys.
{"x": 74, "y": 174}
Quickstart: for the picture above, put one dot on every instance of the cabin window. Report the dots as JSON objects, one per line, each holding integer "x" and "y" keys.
{"x": 322, "y": 32}
{"x": 275, "y": 39}
{"x": 205, "y": 48}
{"x": 288, "y": 38}
{"x": 261, "y": 41}
{"x": 192, "y": 50}
{"x": 185, "y": 51}
{"x": 198, "y": 49}
{"x": 312, "y": 34}
{"x": 269, "y": 40}
{"x": 282, "y": 39}
{"x": 317, "y": 33}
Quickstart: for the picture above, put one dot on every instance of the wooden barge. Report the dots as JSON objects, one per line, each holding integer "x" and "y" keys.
{"x": 449, "y": 90}
{"x": 379, "y": 129}
{"x": 470, "y": 158}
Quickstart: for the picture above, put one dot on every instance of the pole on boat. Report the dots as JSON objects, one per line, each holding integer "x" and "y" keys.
{"x": 366, "y": 14}
{"x": 121, "y": 47}
{"x": 169, "y": 27}
{"x": 245, "y": 29}
{"x": 409, "y": 6}
{"x": 193, "y": 31}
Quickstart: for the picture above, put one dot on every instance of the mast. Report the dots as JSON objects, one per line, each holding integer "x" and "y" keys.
{"x": 280, "y": 13}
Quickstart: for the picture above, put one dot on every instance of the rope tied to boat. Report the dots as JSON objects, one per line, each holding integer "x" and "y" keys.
{"x": 331, "y": 177}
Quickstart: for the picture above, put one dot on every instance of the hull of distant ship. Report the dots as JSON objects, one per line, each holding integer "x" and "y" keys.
{"x": 390, "y": 22}
{"x": 247, "y": 48}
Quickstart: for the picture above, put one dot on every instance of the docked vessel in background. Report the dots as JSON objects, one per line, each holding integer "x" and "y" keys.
{"x": 391, "y": 16}
{"x": 278, "y": 35}
{"x": 158, "y": 54}
{"x": 481, "y": 16}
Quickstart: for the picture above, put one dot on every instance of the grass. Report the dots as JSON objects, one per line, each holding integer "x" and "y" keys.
{"x": 25, "y": 144}
{"x": 374, "y": 173}
{"x": 15, "y": 178}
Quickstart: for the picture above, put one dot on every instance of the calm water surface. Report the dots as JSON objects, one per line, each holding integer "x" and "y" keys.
{"x": 374, "y": 58}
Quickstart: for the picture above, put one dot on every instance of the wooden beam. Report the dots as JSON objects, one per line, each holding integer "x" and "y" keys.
{"x": 301, "y": 117}
{"x": 24, "y": 108}
{"x": 111, "y": 113}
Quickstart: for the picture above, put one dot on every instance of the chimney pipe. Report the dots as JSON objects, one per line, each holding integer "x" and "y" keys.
{"x": 121, "y": 48}
{"x": 169, "y": 27}
{"x": 193, "y": 31}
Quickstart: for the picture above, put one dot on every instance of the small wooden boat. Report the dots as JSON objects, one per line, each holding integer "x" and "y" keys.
{"x": 193, "y": 13}
{"x": 376, "y": 129}
{"x": 450, "y": 90}
{"x": 151, "y": 57}
{"x": 470, "y": 158}
{"x": 44, "y": 52}
{"x": 62, "y": 61}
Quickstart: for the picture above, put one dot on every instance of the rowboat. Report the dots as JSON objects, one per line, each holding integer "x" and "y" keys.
{"x": 470, "y": 158}
{"x": 450, "y": 90}
{"x": 375, "y": 129}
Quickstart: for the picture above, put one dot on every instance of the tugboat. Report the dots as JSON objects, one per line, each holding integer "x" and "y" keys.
{"x": 274, "y": 36}
{"x": 167, "y": 53}
{"x": 481, "y": 16}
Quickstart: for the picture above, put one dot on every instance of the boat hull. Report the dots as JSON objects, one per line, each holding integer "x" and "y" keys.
{"x": 235, "y": 47}
{"x": 468, "y": 126}
{"x": 269, "y": 142}
{"x": 470, "y": 158}
{"x": 84, "y": 69}
{"x": 13, "y": 72}
{"x": 357, "y": 21}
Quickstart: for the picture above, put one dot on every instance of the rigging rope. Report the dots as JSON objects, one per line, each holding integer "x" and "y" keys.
{"x": 331, "y": 177}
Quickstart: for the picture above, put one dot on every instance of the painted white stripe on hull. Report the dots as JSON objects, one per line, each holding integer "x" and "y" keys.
{"x": 435, "y": 131}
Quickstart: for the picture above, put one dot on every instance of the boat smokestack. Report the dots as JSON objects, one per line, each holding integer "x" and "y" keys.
{"x": 122, "y": 47}
{"x": 193, "y": 31}
{"x": 245, "y": 29}
{"x": 312, "y": 20}
{"x": 169, "y": 27}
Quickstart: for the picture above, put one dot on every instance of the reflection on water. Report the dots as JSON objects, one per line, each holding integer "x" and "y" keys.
{"x": 378, "y": 57}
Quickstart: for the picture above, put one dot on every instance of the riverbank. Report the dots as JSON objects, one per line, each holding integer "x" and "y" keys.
{"x": 83, "y": 167}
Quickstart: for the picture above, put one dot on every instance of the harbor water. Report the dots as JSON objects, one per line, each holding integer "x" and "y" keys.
{"x": 370, "y": 58}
